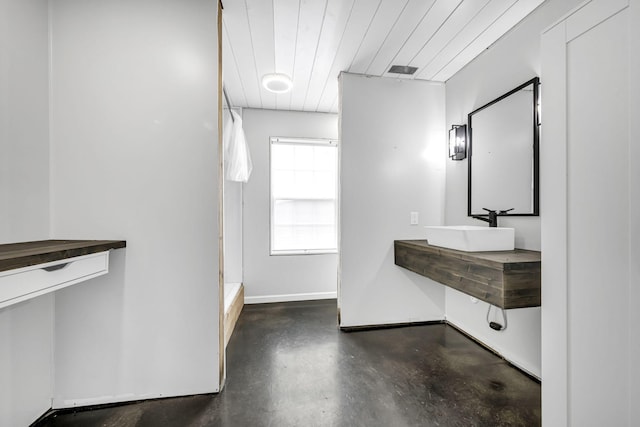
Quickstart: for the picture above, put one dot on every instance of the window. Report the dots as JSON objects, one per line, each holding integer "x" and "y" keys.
{"x": 304, "y": 186}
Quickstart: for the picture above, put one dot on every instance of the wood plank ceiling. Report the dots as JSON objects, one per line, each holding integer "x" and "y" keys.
{"x": 312, "y": 41}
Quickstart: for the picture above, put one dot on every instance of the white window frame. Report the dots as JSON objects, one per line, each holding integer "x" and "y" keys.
{"x": 300, "y": 141}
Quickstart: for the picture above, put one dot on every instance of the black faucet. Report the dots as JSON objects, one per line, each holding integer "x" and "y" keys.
{"x": 493, "y": 216}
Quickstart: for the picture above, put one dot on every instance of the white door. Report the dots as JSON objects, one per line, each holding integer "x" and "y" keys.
{"x": 589, "y": 208}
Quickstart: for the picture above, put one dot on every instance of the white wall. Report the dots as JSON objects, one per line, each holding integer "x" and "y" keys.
{"x": 26, "y": 329}
{"x": 392, "y": 163}
{"x": 511, "y": 61}
{"x": 291, "y": 277}
{"x": 634, "y": 214}
{"x": 134, "y": 156}
{"x": 24, "y": 120}
{"x": 26, "y": 352}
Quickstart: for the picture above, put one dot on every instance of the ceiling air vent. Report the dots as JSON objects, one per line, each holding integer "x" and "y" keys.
{"x": 402, "y": 69}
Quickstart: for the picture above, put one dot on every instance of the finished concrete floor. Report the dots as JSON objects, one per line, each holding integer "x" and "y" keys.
{"x": 289, "y": 365}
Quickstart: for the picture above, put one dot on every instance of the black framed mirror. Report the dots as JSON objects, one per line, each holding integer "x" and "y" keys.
{"x": 503, "y": 153}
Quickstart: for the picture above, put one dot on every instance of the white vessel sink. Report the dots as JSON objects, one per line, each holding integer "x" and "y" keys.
{"x": 471, "y": 238}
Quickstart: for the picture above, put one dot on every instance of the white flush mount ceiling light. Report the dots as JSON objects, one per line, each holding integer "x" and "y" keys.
{"x": 277, "y": 83}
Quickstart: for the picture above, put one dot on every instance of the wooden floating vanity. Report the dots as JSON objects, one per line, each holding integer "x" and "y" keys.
{"x": 506, "y": 279}
{"x": 30, "y": 269}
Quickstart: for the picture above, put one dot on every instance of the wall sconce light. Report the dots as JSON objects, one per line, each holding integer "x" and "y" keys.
{"x": 458, "y": 142}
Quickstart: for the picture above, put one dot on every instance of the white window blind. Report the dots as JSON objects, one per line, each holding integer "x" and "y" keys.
{"x": 304, "y": 182}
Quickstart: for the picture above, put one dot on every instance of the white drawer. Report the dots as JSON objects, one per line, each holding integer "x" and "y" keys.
{"x": 29, "y": 282}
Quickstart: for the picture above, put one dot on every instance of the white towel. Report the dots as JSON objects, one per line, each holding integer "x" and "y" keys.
{"x": 238, "y": 164}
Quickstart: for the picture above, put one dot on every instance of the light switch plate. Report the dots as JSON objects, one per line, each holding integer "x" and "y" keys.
{"x": 414, "y": 218}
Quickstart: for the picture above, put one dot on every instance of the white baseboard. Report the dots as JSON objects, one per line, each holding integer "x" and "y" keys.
{"x": 290, "y": 297}
{"x": 58, "y": 403}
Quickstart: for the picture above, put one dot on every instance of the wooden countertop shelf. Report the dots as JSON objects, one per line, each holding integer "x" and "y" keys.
{"x": 506, "y": 279}
{"x": 31, "y": 269}
{"x": 25, "y": 254}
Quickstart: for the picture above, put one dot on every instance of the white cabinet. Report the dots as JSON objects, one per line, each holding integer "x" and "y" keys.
{"x": 28, "y": 282}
